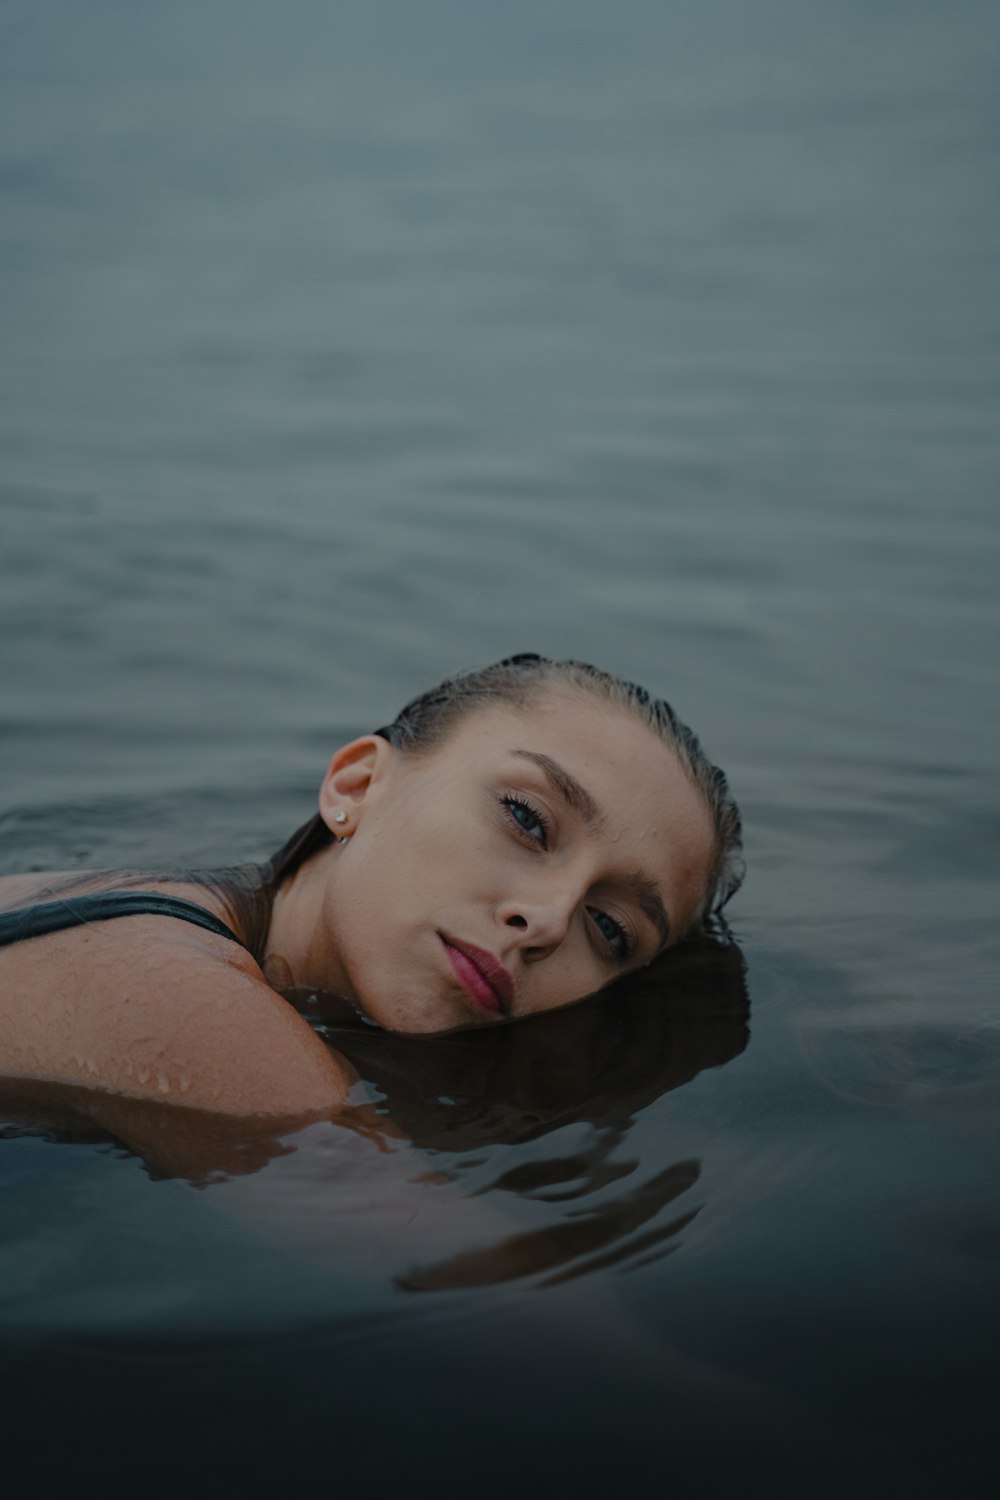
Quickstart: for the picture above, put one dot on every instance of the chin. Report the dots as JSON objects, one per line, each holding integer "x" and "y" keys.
{"x": 411, "y": 1015}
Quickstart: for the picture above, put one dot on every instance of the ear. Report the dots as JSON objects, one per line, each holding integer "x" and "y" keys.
{"x": 352, "y": 771}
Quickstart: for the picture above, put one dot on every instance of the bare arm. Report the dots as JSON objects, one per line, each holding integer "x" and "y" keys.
{"x": 150, "y": 1010}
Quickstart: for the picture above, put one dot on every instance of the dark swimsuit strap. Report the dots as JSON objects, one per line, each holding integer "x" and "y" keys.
{"x": 53, "y": 916}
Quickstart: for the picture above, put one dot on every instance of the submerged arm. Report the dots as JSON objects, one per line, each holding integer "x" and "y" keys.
{"x": 147, "y": 1011}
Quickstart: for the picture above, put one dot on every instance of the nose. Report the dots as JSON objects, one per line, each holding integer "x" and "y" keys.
{"x": 541, "y": 922}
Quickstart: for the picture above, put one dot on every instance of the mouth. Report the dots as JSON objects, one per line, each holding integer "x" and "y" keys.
{"x": 482, "y": 976}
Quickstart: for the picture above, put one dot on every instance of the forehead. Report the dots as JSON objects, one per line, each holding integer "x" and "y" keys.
{"x": 578, "y": 724}
{"x": 653, "y": 817}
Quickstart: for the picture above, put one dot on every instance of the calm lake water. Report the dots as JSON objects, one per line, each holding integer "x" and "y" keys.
{"x": 344, "y": 346}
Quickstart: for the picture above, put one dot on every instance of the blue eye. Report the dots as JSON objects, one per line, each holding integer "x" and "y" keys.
{"x": 528, "y": 821}
{"x": 612, "y": 932}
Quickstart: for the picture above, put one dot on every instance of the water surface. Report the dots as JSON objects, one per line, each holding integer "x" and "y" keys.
{"x": 346, "y": 346}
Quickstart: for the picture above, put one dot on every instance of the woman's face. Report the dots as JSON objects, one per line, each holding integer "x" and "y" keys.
{"x": 536, "y": 855}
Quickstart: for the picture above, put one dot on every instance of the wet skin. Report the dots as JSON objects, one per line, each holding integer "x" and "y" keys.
{"x": 536, "y": 855}
{"x": 533, "y": 857}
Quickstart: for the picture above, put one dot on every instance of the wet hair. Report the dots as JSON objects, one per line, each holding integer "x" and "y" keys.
{"x": 248, "y": 891}
{"x": 426, "y": 721}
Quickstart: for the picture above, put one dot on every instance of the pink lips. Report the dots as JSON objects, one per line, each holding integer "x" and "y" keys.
{"x": 482, "y": 975}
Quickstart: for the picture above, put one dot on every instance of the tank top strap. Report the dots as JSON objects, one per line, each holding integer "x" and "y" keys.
{"x": 54, "y": 916}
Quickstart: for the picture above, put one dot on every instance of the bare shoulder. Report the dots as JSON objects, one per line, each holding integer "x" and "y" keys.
{"x": 152, "y": 1008}
{"x": 237, "y": 1047}
{"x": 22, "y": 890}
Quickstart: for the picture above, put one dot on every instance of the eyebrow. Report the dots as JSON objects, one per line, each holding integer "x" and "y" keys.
{"x": 644, "y": 891}
{"x": 577, "y": 796}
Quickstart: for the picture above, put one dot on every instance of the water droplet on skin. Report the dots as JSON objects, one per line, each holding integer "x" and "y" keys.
{"x": 185, "y": 1083}
{"x": 143, "y": 1075}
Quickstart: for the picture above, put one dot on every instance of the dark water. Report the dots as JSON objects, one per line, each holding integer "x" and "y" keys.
{"x": 345, "y": 345}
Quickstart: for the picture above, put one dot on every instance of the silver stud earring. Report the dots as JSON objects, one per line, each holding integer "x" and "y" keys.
{"x": 340, "y": 816}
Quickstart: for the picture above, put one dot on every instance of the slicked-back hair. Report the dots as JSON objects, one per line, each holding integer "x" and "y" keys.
{"x": 426, "y": 721}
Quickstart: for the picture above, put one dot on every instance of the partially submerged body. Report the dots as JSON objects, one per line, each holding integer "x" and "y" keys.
{"x": 534, "y": 847}
{"x": 150, "y": 1007}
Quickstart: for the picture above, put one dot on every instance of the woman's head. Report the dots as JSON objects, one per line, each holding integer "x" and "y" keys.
{"x": 518, "y": 838}
{"x": 425, "y": 721}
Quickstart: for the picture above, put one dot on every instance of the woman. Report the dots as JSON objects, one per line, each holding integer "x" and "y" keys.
{"x": 518, "y": 838}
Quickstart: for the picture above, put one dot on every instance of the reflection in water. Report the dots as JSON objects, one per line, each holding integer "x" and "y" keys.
{"x": 172, "y": 1141}
{"x": 353, "y": 1190}
{"x": 559, "y": 1248}
{"x": 598, "y": 1064}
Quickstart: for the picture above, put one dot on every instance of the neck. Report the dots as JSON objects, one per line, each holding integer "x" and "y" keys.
{"x": 298, "y": 953}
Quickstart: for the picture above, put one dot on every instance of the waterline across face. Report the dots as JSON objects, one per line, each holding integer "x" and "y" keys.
{"x": 535, "y": 855}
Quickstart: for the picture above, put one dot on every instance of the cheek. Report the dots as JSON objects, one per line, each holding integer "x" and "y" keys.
{"x": 441, "y": 842}
{"x": 408, "y": 867}
{"x": 566, "y": 976}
